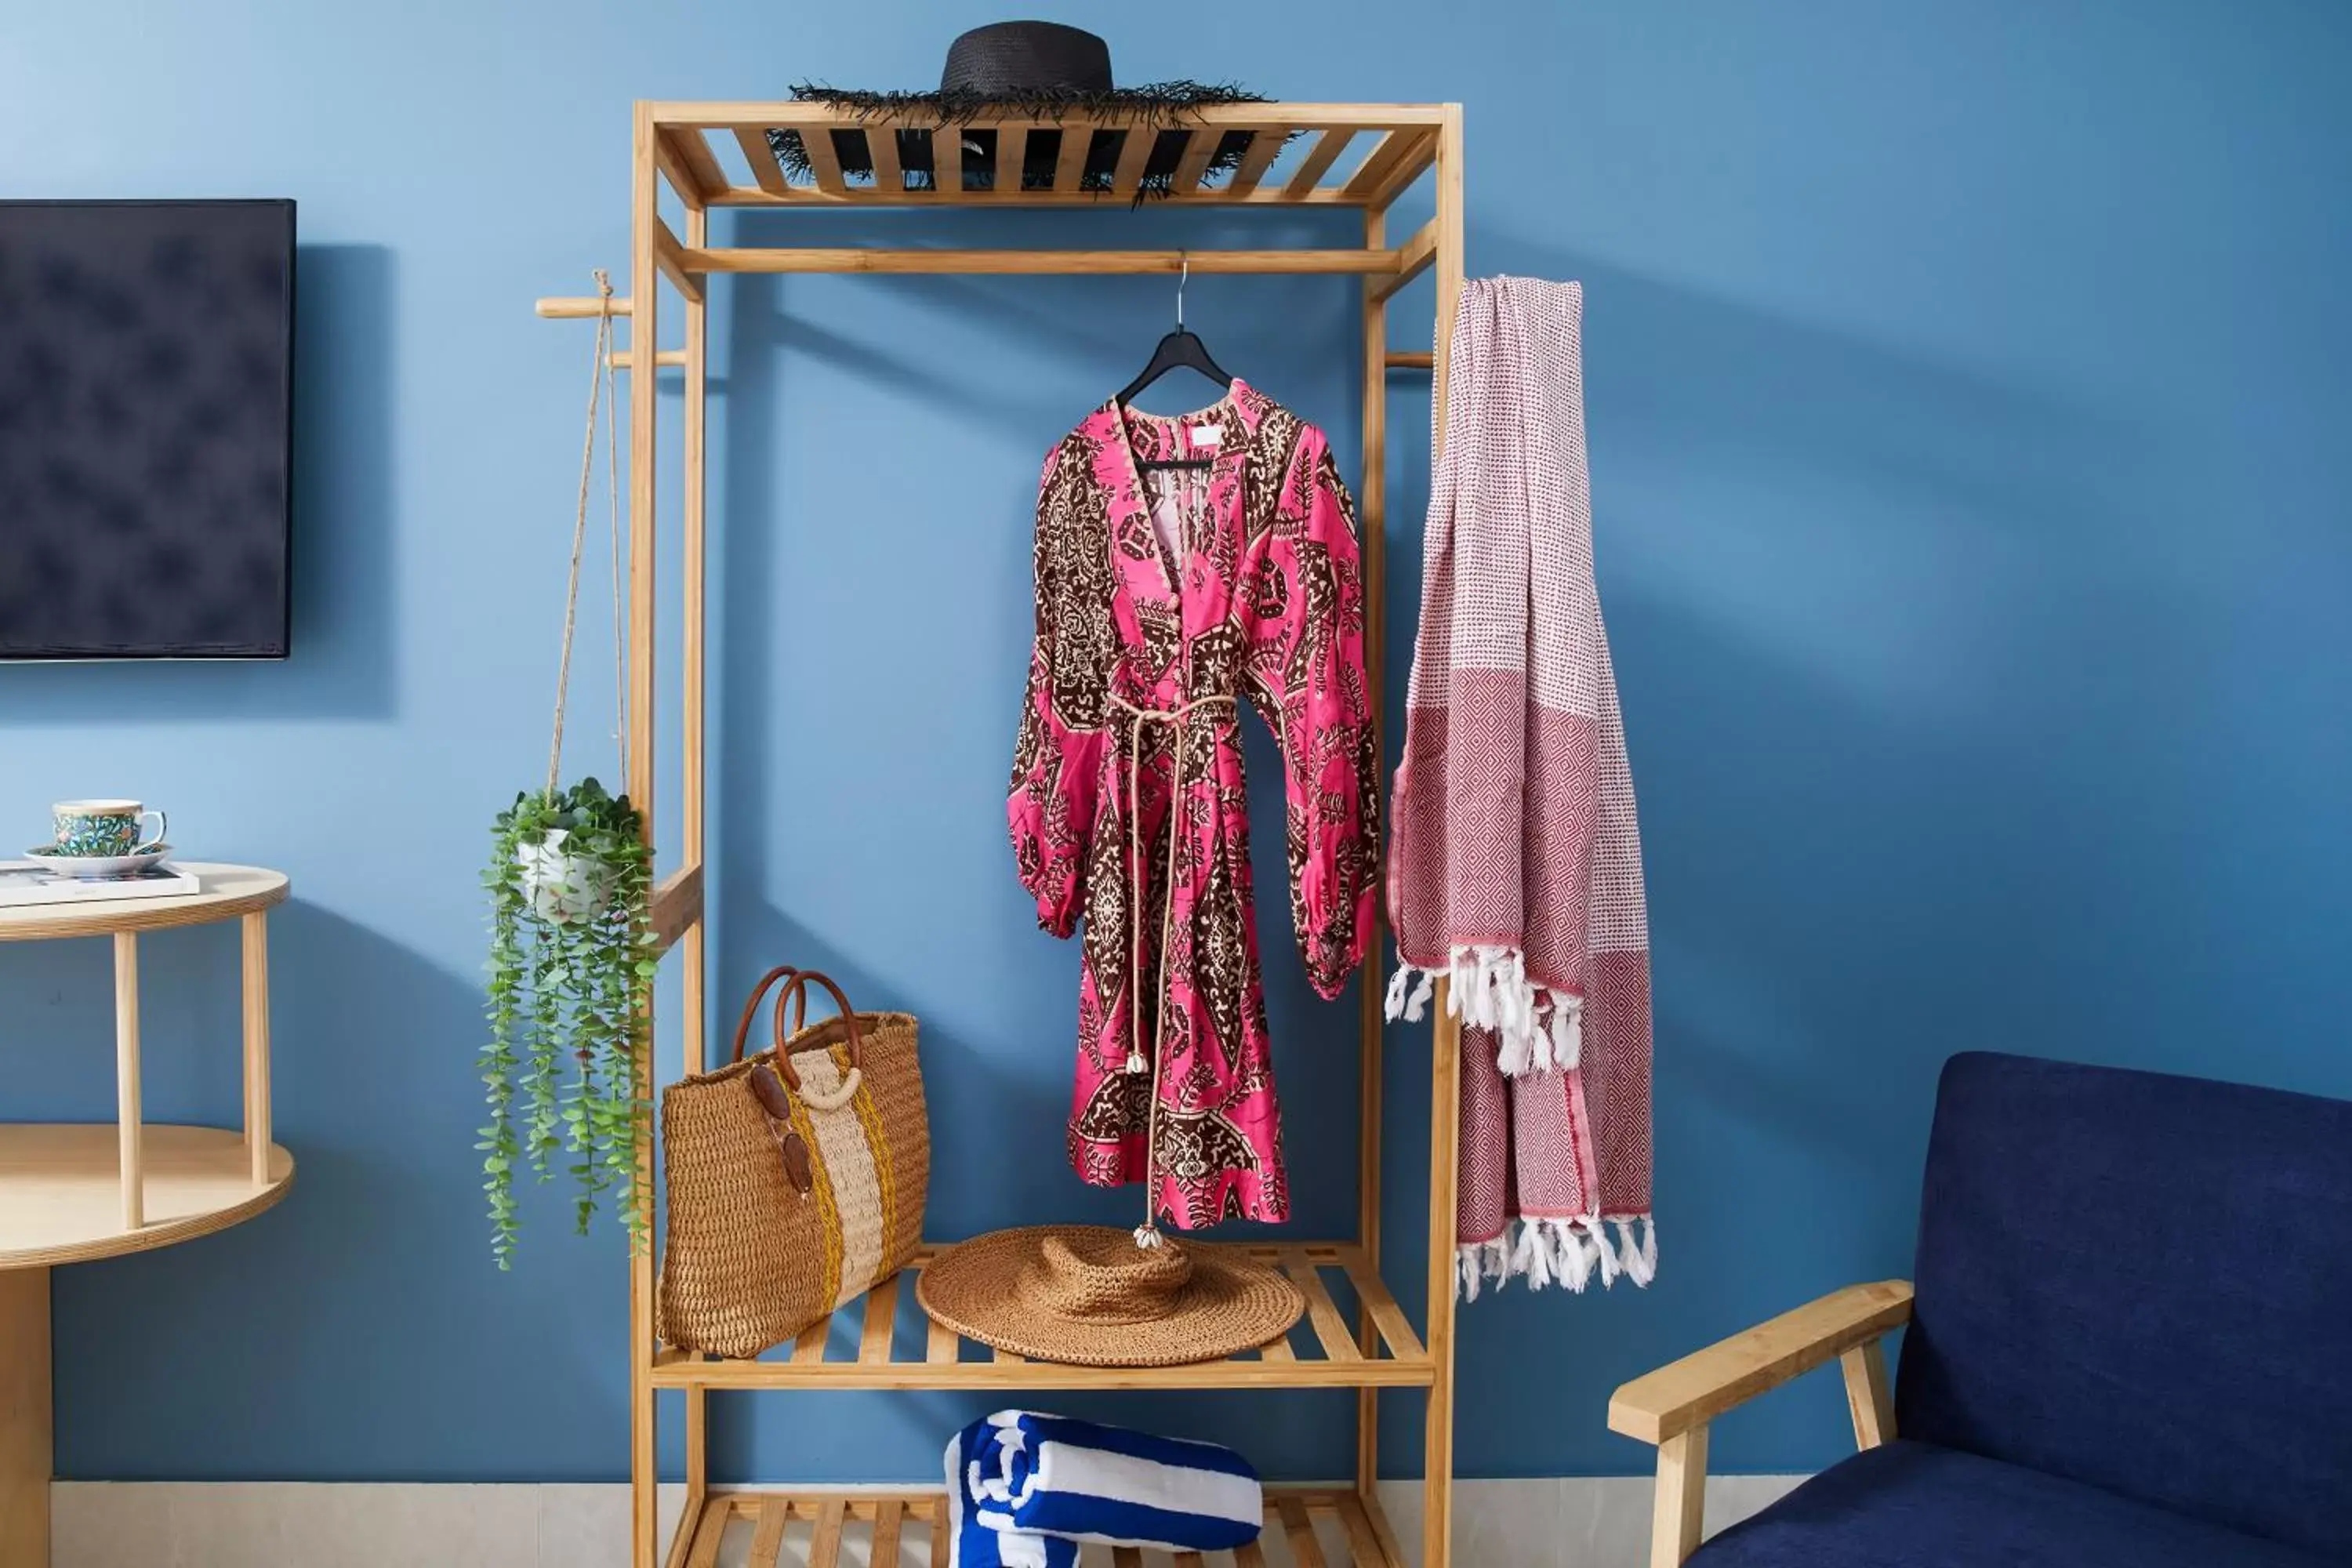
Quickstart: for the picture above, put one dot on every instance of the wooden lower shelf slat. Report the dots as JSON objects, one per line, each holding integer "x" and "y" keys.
{"x": 1321, "y": 1352}
{"x": 1306, "y": 1527}
{"x": 62, "y": 1189}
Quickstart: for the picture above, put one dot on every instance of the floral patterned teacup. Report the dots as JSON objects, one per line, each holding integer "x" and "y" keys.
{"x": 104, "y": 827}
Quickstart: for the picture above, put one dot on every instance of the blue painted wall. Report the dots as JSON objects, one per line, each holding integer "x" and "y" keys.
{"x": 1968, "y": 396}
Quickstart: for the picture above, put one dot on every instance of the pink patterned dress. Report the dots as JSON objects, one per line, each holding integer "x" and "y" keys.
{"x": 1163, "y": 597}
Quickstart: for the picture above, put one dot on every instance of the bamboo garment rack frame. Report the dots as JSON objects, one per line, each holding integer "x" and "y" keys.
{"x": 672, "y": 144}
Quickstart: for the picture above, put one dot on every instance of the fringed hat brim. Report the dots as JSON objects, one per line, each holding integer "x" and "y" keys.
{"x": 1159, "y": 110}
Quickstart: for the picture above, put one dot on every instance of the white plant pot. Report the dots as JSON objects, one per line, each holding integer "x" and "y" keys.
{"x": 563, "y": 888}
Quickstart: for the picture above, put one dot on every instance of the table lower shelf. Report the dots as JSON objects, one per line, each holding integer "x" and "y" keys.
{"x": 885, "y": 1340}
{"x": 1306, "y": 1527}
{"x": 62, "y": 1189}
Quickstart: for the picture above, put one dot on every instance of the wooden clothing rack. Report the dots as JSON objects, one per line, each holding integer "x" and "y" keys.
{"x": 1369, "y": 1345}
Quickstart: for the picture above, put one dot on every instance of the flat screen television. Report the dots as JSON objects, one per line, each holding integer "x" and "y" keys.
{"x": 146, "y": 421}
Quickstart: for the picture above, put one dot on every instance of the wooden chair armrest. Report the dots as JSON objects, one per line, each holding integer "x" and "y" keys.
{"x": 1704, "y": 1384}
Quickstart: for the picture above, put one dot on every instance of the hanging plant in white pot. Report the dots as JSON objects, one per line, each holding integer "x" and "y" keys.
{"x": 565, "y": 885}
{"x": 571, "y": 955}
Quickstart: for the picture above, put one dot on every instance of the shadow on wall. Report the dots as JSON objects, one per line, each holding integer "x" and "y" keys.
{"x": 360, "y": 1251}
{"x": 1849, "y": 585}
{"x": 344, "y": 484}
{"x": 760, "y": 767}
{"x": 871, "y": 566}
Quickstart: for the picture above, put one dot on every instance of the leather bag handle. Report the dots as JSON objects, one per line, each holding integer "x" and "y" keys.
{"x": 751, "y": 1008}
{"x": 795, "y": 991}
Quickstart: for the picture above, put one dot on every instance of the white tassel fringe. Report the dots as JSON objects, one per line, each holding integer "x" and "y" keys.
{"x": 1531, "y": 1258}
{"x": 1565, "y": 1031}
{"x": 1603, "y": 1253}
{"x": 1465, "y": 1272}
{"x": 1566, "y": 1252}
{"x": 1488, "y": 988}
{"x": 1413, "y": 1007}
{"x": 1575, "y": 1255}
{"x": 1640, "y": 1264}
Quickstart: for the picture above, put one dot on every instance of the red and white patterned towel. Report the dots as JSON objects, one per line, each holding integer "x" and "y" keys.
{"x": 1515, "y": 865}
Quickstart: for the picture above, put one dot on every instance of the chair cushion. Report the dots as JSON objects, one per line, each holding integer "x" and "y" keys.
{"x": 1913, "y": 1505}
{"x": 2144, "y": 1283}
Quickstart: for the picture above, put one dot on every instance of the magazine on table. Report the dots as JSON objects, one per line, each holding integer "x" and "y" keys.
{"x": 26, "y": 883}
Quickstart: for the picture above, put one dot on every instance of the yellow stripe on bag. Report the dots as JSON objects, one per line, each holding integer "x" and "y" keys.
{"x": 884, "y": 1176}
{"x": 805, "y": 1125}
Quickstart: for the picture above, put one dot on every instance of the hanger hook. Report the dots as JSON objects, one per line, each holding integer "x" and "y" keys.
{"x": 1184, "y": 275}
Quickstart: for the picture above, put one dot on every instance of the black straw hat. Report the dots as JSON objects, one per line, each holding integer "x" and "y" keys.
{"x": 1009, "y": 59}
{"x": 1036, "y": 69}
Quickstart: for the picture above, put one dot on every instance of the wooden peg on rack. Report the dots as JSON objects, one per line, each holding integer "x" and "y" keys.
{"x": 581, "y": 306}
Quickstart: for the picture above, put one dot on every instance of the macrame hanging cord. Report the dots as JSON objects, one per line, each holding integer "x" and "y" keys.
{"x": 601, "y": 391}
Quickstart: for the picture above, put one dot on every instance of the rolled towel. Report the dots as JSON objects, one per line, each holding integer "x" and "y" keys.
{"x": 974, "y": 1545}
{"x": 1052, "y": 1476}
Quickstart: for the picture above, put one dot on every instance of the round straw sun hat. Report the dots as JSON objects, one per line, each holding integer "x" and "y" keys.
{"x": 1088, "y": 1296}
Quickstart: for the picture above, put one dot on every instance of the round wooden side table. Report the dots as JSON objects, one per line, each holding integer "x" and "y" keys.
{"x": 74, "y": 1193}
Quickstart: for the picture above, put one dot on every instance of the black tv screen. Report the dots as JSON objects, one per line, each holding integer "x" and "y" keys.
{"x": 146, "y": 414}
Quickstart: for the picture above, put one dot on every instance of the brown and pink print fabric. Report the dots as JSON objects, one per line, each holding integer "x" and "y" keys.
{"x": 1165, "y": 599}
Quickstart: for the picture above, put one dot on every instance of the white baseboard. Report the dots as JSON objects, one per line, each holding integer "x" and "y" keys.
{"x": 1569, "y": 1522}
{"x": 360, "y": 1525}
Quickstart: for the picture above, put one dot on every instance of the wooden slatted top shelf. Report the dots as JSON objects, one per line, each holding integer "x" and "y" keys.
{"x": 885, "y": 1340}
{"x": 1345, "y": 154}
{"x": 1306, "y": 1527}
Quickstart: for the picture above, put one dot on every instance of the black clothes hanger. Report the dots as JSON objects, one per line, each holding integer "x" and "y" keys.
{"x": 1180, "y": 350}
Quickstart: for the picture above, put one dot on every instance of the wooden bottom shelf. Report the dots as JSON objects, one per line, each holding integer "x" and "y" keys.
{"x": 61, "y": 1188}
{"x": 1306, "y": 1527}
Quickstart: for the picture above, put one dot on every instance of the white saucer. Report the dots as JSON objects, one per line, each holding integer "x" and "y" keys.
{"x": 87, "y": 867}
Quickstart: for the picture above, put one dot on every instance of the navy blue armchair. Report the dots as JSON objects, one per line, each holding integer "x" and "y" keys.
{"x": 2129, "y": 1344}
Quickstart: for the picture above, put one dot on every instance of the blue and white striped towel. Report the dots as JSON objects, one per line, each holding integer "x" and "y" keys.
{"x": 974, "y": 1545}
{"x": 1053, "y": 1477}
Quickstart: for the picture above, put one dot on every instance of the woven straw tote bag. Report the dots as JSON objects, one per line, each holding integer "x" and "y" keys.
{"x": 795, "y": 1178}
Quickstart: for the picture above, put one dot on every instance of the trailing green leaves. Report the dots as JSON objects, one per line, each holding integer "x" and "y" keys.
{"x": 570, "y": 969}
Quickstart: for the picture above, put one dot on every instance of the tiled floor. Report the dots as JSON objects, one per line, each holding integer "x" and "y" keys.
{"x": 1583, "y": 1523}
